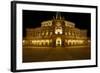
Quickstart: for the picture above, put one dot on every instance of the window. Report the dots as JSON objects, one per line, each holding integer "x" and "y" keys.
{"x": 65, "y": 33}
{"x": 69, "y": 33}
{"x": 46, "y": 33}
{"x": 50, "y": 33}
{"x": 58, "y": 30}
{"x": 42, "y": 33}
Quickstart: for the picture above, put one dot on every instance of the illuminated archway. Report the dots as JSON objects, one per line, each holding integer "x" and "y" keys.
{"x": 58, "y": 41}
{"x": 58, "y": 30}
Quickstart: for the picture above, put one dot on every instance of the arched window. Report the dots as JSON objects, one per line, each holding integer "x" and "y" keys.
{"x": 46, "y": 33}
{"x": 58, "y": 41}
{"x": 65, "y": 33}
{"x": 42, "y": 33}
{"x": 58, "y": 30}
{"x": 69, "y": 33}
{"x": 50, "y": 33}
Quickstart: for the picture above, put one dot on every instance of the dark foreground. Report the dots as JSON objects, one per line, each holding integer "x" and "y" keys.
{"x": 55, "y": 54}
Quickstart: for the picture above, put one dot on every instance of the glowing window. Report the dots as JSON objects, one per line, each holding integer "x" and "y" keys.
{"x": 58, "y": 41}
{"x": 69, "y": 33}
{"x": 65, "y": 33}
{"x": 23, "y": 41}
{"x": 50, "y": 33}
{"x": 58, "y": 30}
{"x": 42, "y": 33}
{"x": 47, "y": 33}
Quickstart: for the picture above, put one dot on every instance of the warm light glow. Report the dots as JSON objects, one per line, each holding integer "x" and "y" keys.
{"x": 58, "y": 30}
{"x": 42, "y": 33}
{"x": 51, "y": 37}
{"x": 23, "y": 41}
{"x": 65, "y": 33}
{"x": 51, "y": 41}
{"x": 40, "y": 42}
{"x": 74, "y": 42}
{"x": 50, "y": 33}
{"x": 47, "y": 33}
{"x": 58, "y": 41}
{"x": 69, "y": 33}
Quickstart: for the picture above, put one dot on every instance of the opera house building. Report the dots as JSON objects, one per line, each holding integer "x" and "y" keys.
{"x": 56, "y": 32}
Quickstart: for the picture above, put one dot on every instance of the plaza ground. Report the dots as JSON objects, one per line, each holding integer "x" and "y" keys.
{"x": 34, "y": 54}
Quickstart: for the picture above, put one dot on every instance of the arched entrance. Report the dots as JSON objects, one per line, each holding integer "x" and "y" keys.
{"x": 58, "y": 42}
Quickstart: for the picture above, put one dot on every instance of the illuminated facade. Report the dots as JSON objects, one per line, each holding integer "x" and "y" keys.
{"x": 57, "y": 32}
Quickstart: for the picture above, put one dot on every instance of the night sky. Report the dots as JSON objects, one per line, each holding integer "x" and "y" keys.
{"x": 33, "y": 19}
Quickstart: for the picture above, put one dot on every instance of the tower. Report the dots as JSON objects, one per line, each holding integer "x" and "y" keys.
{"x": 58, "y": 16}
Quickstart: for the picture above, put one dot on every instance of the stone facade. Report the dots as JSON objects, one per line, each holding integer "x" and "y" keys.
{"x": 57, "y": 32}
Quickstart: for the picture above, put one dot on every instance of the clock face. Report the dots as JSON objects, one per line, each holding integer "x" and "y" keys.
{"x": 58, "y": 24}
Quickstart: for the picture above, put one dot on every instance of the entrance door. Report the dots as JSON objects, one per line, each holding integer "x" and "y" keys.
{"x": 58, "y": 42}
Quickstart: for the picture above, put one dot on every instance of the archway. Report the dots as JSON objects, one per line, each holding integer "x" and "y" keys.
{"x": 58, "y": 42}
